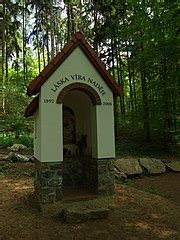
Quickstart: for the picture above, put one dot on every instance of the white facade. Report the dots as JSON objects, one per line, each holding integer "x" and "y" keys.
{"x": 97, "y": 122}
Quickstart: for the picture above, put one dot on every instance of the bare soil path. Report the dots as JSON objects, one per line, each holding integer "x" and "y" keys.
{"x": 166, "y": 185}
{"x": 140, "y": 213}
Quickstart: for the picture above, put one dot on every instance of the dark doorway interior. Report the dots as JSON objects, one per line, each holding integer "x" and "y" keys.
{"x": 79, "y": 168}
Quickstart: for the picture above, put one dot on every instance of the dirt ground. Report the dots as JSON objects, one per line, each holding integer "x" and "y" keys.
{"x": 148, "y": 208}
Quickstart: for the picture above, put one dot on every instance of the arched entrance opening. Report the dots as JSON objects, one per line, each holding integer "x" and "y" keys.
{"x": 79, "y": 140}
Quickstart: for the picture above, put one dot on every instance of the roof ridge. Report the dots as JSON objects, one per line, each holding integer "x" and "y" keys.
{"x": 77, "y": 40}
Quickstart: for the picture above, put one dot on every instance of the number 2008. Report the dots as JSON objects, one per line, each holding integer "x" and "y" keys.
{"x": 107, "y": 103}
{"x": 48, "y": 101}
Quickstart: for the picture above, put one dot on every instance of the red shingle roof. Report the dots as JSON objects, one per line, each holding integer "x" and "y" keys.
{"x": 78, "y": 40}
{"x": 31, "y": 108}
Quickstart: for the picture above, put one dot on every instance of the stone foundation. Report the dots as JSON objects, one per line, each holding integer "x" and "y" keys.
{"x": 48, "y": 182}
{"x": 74, "y": 172}
{"x": 106, "y": 177}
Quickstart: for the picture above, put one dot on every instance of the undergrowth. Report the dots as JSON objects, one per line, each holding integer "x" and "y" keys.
{"x": 8, "y": 141}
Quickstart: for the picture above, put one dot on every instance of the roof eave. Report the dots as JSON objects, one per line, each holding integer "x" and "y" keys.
{"x": 32, "y": 107}
{"x": 77, "y": 40}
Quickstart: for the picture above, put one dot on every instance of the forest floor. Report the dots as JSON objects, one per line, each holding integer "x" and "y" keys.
{"x": 148, "y": 208}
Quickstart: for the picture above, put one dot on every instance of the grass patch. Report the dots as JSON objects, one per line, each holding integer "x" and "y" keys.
{"x": 153, "y": 190}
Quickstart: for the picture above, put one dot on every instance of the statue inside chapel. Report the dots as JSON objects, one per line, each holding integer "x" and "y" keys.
{"x": 69, "y": 133}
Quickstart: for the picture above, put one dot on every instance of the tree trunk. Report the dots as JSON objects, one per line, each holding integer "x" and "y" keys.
{"x": 145, "y": 108}
{"x": 72, "y": 20}
{"x": 134, "y": 89}
{"x": 130, "y": 79}
{"x": 37, "y": 46}
{"x": 116, "y": 115}
{"x": 123, "y": 109}
{"x": 68, "y": 21}
{"x": 167, "y": 116}
{"x": 3, "y": 60}
{"x": 52, "y": 29}
{"x": 44, "y": 59}
{"x": 95, "y": 43}
{"x": 24, "y": 41}
{"x": 119, "y": 75}
{"x": 47, "y": 45}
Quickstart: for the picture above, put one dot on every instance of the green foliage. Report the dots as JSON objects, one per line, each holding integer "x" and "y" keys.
{"x": 151, "y": 189}
{"x": 4, "y": 167}
{"x": 138, "y": 41}
{"x": 8, "y": 141}
{"x": 16, "y": 100}
{"x": 26, "y": 140}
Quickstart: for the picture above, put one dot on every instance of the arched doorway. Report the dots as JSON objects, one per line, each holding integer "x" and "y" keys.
{"x": 79, "y": 140}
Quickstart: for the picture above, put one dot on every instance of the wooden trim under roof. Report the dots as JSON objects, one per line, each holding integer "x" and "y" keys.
{"x": 32, "y": 107}
{"x": 78, "y": 40}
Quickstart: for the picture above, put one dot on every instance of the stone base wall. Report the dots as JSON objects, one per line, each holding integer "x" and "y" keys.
{"x": 106, "y": 177}
{"x": 48, "y": 182}
{"x": 52, "y": 178}
{"x": 90, "y": 174}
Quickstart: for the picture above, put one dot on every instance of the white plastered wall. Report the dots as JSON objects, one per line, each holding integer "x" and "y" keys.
{"x": 51, "y": 112}
{"x": 37, "y": 135}
{"x": 105, "y": 132}
{"x": 51, "y": 133}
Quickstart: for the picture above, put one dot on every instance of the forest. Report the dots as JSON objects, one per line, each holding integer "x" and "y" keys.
{"x": 136, "y": 39}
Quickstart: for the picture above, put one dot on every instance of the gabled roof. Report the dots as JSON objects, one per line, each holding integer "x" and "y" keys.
{"x": 78, "y": 40}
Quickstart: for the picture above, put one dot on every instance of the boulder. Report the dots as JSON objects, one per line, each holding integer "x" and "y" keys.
{"x": 77, "y": 215}
{"x": 119, "y": 176}
{"x": 173, "y": 166}
{"x": 31, "y": 158}
{"x": 17, "y": 147}
{"x": 128, "y": 166}
{"x": 3, "y": 157}
{"x": 152, "y": 166}
{"x": 16, "y": 157}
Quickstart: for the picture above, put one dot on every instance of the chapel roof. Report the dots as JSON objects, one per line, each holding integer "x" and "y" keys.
{"x": 78, "y": 40}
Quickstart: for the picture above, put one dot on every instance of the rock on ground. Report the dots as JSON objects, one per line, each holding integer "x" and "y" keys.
{"x": 3, "y": 157}
{"x": 152, "y": 166}
{"x": 71, "y": 215}
{"x": 16, "y": 157}
{"x": 17, "y": 147}
{"x": 119, "y": 176}
{"x": 128, "y": 166}
{"x": 174, "y": 166}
